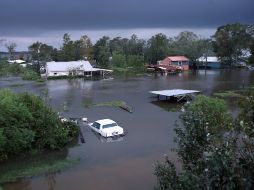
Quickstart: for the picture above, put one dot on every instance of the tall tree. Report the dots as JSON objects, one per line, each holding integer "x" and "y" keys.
{"x": 76, "y": 50}
{"x": 11, "y": 46}
{"x": 136, "y": 46}
{"x": 231, "y": 42}
{"x": 205, "y": 49}
{"x": 189, "y": 44}
{"x": 157, "y": 48}
{"x": 67, "y": 51}
{"x": 87, "y": 47}
{"x": 41, "y": 53}
{"x": 102, "y": 52}
{"x": 251, "y": 58}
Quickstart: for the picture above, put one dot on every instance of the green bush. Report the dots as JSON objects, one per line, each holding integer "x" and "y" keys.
{"x": 15, "y": 69}
{"x": 9, "y": 69}
{"x": 28, "y": 74}
{"x": 215, "y": 152}
{"x": 27, "y": 123}
{"x": 205, "y": 121}
{"x": 19, "y": 140}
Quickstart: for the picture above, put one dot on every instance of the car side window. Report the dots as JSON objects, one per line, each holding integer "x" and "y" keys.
{"x": 96, "y": 125}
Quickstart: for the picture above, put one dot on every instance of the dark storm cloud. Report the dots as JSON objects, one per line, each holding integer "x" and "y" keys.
{"x": 34, "y": 16}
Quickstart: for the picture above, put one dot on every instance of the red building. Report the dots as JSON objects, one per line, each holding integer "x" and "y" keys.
{"x": 181, "y": 62}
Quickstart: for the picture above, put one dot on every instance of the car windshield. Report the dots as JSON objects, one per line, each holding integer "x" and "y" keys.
{"x": 109, "y": 125}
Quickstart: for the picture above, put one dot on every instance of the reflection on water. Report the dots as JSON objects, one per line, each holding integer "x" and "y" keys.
{"x": 109, "y": 139}
{"x": 50, "y": 179}
{"x": 30, "y": 166}
{"x": 128, "y": 163}
{"x": 169, "y": 106}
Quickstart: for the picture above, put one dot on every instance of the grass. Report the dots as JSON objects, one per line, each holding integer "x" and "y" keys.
{"x": 16, "y": 85}
{"x": 228, "y": 94}
{"x": 111, "y": 104}
{"x": 40, "y": 80}
{"x": 28, "y": 74}
{"x": 35, "y": 169}
{"x": 120, "y": 69}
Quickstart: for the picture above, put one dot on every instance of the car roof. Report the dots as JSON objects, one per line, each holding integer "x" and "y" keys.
{"x": 105, "y": 121}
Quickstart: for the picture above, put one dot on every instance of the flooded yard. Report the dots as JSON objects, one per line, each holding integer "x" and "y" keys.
{"x": 129, "y": 162}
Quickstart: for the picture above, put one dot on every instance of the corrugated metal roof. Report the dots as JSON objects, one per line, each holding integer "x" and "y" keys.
{"x": 66, "y": 66}
{"x": 178, "y": 58}
{"x": 174, "y": 92}
{"x": 209, "y": 59}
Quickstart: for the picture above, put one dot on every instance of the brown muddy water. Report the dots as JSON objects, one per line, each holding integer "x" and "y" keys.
{"x": 127, "y": 163}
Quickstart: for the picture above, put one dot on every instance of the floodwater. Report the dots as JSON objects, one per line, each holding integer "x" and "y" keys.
{"x": 127, "y": 163}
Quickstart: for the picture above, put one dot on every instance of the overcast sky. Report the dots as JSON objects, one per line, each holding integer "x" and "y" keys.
{"x": 27, "y": 21}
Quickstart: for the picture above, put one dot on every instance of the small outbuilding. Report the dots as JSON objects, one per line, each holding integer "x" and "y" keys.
{"x": 211, "y": 61}
{"x": 178, "y": 61}
{"x": 73, "y": 68}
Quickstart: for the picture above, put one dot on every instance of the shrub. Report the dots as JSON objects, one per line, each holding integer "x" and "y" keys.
{"x": 26, "y": 123}
{"x": 28, "y": 74}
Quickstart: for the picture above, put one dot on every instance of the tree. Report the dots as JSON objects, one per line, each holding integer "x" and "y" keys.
{"x": 67, "y": 51}
{"x": 11, "y": 46}
{"x": 76, "y": 50}
{"x": 41, "y": 53}
{"x": 189, "y": 44}
{"x": 26, "y": 123}
{"x": 251, "y": 58}
{"x": 231, "y": 42}
{"x": 157, "y": 48}
{"x": 118, "y": 60}
{"x": 136, "y": 46}
{"x": 205, "y": 49}
{"x": 102, "y": 52}
{"x": 215, "y": 151}
{"x": 87, "y": 47}
{"x": 118, "y": 45}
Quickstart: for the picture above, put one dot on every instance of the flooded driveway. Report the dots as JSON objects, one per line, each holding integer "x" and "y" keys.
{"x": 129, "y": 162}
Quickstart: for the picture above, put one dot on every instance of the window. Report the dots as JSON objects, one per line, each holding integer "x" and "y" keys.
{"x": 109, "y": 125}
{"x": 96, "y": 125}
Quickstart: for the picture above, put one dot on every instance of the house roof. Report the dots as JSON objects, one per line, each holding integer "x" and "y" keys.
{"x": 209, "y": 59}
{"x": 16, "y": 61}
{"x": 66, "y": 66}
{"x": 178, "y": 58}
{"x": 174, "y": 92}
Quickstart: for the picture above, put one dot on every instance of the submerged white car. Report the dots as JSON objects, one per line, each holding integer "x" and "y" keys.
{"x": 107, "y": 128}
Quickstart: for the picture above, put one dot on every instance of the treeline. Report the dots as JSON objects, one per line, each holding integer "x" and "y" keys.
{"x": 230, "y": 44}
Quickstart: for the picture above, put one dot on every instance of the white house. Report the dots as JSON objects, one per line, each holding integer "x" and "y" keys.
{"x": 72, "y": 68}
{"x": 18, "y": 61}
